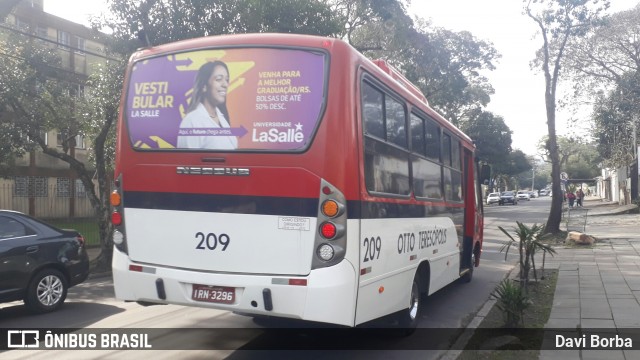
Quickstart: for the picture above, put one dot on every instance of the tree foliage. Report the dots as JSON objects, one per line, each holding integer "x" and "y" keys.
{"x": 614, "y": 118}
{"x": 32, "y": 101}
{"x": 579, "y": 157}
{"x": 609, "y": 58}
{"x": 492, "y": 137}
{"x": 607, "y": 54}
{"x": 154, "y": 22}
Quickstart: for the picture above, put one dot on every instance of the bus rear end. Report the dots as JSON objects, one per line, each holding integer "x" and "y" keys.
{"x": 227, "y": 195}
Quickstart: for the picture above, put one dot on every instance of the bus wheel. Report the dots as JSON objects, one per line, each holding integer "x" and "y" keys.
{"x": 468, "y": 276}
{"x": 409, "y": 317}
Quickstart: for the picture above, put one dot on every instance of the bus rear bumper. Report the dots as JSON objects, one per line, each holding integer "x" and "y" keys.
{"x": 328, "y": 295}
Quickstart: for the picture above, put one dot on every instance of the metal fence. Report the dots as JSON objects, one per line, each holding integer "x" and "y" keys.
{"x": 576, "y": 218}
{"x": 52, "y": 201}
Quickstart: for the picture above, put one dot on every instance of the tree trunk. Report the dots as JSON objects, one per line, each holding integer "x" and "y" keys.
{"x": 555, "y": 214}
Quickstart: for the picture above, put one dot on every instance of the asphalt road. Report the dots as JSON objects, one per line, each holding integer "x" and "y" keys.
{"x": 220, "y": 334}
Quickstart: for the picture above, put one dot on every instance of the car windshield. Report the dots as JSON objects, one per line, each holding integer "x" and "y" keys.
{"x": 494, "y": 194}
{"x": 507, "y": 193}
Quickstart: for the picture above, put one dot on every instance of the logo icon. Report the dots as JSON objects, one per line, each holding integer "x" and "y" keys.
{"x": 18, "y": 339}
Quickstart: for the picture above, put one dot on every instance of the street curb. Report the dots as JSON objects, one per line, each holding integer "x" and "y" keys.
{"x": 455, "y": 350}
{"x": 99, "y": 275}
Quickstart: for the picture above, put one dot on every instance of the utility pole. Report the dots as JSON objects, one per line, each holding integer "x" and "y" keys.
{"x": 636, "y": 162}
{"x": 533, "y": 178}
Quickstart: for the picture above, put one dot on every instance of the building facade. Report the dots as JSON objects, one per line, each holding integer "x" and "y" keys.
{"x": 39, "y": 184}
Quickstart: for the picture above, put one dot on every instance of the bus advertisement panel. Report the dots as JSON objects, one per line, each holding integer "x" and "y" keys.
{"x": 269, "y": 99}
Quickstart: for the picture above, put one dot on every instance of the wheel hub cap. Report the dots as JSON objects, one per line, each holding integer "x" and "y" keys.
{"x": 49, "y": 290}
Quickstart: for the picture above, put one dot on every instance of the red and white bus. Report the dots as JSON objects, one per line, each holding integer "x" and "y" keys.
{"x": 287, "y": 176}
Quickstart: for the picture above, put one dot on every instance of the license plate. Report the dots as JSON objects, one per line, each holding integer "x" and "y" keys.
{"x": 213, "y": 294}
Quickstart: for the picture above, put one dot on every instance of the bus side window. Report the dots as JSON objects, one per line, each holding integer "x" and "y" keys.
{"x": 372, "y": 111}
{"x": 432, "y": 140}
{"x": 446, "y": 149}
{"x": 396, "y": 132}
{"x": 417, "y": 135}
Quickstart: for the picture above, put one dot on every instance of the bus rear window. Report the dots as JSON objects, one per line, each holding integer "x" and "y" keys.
{"x": 226, "y": 99}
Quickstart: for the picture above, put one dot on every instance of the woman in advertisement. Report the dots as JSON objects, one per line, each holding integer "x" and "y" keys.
{"x": 207, "y": 113}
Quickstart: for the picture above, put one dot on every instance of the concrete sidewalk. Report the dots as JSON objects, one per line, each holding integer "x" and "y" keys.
{"x": 599, "y": 287}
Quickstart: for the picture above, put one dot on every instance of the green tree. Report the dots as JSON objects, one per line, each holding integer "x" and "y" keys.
{"x": 614, "y": 121}
{"x": 153, "y": 22}
{"x": 444, "y": 64}
{"x": 371, "y": 25}
{"x": 578, "y": 158}
{"x": 559, "y": 21}
{"x": 99, "y": 112}
{"x": 608, "y": 58}
{"x": 491, "y": 135}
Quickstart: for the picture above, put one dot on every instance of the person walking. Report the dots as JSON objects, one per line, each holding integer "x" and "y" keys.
{"x": 579, "y": 197}
{"x": 571, "y": 197}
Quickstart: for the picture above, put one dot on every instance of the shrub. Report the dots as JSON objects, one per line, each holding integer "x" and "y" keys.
{"x": 512, "y": 301}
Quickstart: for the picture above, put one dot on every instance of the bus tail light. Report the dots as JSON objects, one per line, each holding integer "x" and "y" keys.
{"x": 117, "y": 216}
{"x": 115, "y": 198}
{"x": 332, "y": 208}
{"x": 328, "y": 230}
{"x": 330, "y": 242}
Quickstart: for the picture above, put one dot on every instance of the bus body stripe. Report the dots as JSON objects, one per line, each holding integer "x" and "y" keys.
{"x": 232, "y": 204}
{"x": 266, "y": 205}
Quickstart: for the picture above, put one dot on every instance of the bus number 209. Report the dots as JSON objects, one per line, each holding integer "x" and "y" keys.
{"x": 210, "y": 241}
{"x": 372, "y": 247}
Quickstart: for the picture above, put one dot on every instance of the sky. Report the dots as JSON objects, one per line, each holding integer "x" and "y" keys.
{"x": 519, "y": 91}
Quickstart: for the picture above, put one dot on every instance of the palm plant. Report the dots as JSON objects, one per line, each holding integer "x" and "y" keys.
{"x": 529, "y": 240}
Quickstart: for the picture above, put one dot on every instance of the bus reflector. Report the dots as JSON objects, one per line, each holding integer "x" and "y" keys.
{"x": 328, "y": 230}
{"x": 326, "y": 190}
{"x": 137, "y": 268}
{"x": 115, "y": 198}
{"x": 116, "y": 218}
{"x": 330, "y": 208}
{"x": 298, "y": 282}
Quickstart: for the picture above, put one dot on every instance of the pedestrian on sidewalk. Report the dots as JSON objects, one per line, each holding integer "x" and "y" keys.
{"x": 571, "y": 197}
{"x": 579, "y": 197}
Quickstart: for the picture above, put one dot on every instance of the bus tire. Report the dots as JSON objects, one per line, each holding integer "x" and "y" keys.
{"x": 408, "y": 318}
{"x": 468, "y": 276}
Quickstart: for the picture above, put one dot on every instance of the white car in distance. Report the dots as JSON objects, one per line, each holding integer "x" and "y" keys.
{"x": 493, "y": 198}
{"x": 523, "y": 195}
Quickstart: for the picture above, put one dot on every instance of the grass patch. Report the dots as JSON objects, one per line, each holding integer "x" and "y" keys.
{"x": 535, "y": 317}
{"x": 87, "y": 227}
{"x": 555, "y": 239}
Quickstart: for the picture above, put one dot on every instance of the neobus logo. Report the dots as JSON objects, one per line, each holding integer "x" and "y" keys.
{"x": 224, "y": 171}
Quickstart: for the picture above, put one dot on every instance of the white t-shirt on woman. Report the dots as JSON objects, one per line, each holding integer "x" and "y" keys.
{"x": 199, "y": 118}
